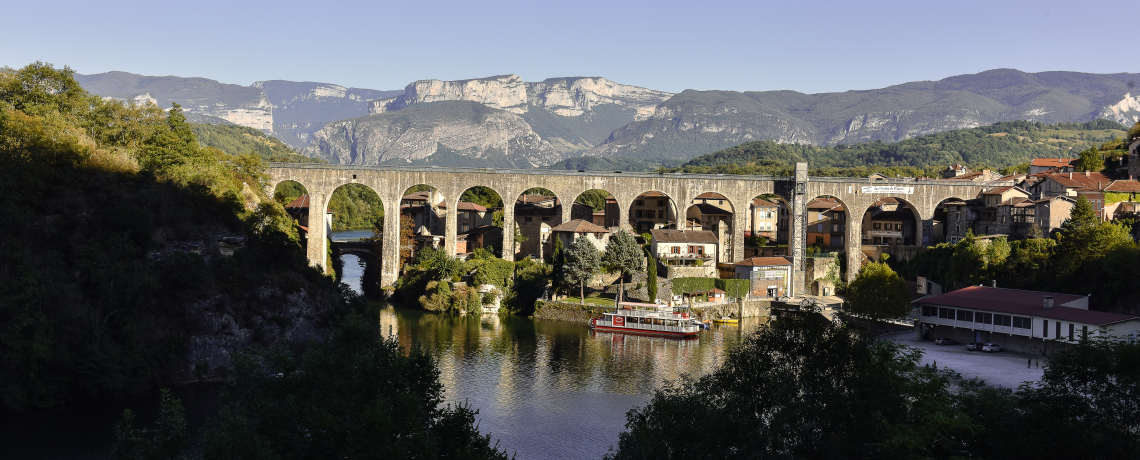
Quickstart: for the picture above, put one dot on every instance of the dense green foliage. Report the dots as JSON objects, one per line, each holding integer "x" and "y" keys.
{"x": 808, "y": 388}
{"x": 999, "y": 145}
{"x": 482, "y": 196}
{"x": 735, "y": 289}
{"x": 364, "y": 395}
{"x": 1086, "y": 256}
{"x": 594, "y": 198}
{"x": 427, "y": 278}
{"x": 355, "y": 206}
{"x": 112, "y": 259}
{"x": 877, "y": 293}
{"x": 582, "y": 261}
{"x": 235, "y": 139}
{"x": 622, "y": 255}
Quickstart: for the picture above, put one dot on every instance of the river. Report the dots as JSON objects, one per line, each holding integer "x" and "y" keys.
{"x": 543, "y": 389}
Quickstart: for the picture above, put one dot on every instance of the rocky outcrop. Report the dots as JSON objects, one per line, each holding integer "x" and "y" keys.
{"x": 302, "y": 108}
{"x": 1125, "y": 112}
{"x": 452, "y": 133}
{"x": 505, "y": 92}
{"x": 568, "y": 97}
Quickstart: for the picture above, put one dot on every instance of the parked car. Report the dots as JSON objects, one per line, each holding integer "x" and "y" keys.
{"x": 974, "y": 346}
{"x": 991, "y": 347}
{"x": 944, "y": 341}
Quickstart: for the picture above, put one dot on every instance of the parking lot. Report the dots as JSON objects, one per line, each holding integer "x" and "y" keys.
{"x": 1003, "y": 369}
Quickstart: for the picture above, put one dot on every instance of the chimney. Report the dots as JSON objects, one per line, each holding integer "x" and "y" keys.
{"x": 1087, "y": 173}
{"x": 1070, "y": 174}
{"x": 1048, "y": 302}
{"x": 994, "y": 283}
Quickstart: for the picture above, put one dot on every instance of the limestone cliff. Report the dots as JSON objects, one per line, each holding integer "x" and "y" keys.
{"x": 568, "y": 97}
{"x": 1125, "y": 112}
{"x": 448, "y": 133}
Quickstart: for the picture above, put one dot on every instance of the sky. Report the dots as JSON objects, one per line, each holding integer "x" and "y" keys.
{"x": 807, "y": 45}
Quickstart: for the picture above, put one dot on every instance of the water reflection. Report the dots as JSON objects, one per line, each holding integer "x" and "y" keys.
{"x": 547, "y": 388}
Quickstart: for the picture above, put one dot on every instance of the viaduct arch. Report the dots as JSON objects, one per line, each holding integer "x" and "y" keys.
{"x": 389, "y": 182}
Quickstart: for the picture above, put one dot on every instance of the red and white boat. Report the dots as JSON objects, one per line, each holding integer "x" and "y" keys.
{"x": 648, "y": 319}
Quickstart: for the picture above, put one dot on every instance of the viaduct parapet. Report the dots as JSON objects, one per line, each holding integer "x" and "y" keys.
{"x": 856, "y": 194}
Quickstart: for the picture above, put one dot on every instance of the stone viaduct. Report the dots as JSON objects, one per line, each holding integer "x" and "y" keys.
{"x": 390, "y": 182}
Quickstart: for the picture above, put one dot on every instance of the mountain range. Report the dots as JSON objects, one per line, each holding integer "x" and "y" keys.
{"x": 503, "y": 121}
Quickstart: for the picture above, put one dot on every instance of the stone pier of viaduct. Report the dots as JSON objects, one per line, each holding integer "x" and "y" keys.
{"x": 856, "y": 194}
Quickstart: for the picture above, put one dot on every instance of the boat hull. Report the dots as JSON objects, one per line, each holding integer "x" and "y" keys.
{"x": 625, "y": 330}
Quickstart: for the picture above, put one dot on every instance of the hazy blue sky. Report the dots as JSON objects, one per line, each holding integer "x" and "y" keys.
{"x": 808, "y": 46}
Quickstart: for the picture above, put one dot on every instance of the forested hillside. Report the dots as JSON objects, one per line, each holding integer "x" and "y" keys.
{"x": 236, "y": 140}
{"x": 996, "y": 146}
{"x": 134, "y": 257}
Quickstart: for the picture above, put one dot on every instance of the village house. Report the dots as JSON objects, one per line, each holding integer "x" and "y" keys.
{"x": 827, "y": 223}
{"x": 762, "y": 218}
{"x": 1113, "y": 199}
{"x": 652, "y": 210}
{"x": 1067, "y": 184}
{"x": 888, "y": 222}
{"x": 995, "y": 217}
{"x": 1060, "y": 165}
{"x": 535, "y": 215}
{"x": 770, "y": 276}
{"x": 682, "y": 253}
{"x": 1050, "y": 213}
{"x": 1017, "y": 320}
{"x": 570, "y": 231}
{"x": 427, "y": 210}
{"x": 608, "y": 217}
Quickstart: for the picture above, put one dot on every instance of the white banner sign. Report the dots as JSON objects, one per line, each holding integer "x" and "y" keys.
{"x": 888, "y": 189}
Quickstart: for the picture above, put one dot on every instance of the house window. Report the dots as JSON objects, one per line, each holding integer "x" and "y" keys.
{"x": 1021, "y": 322}
{"x": 660, "y": 202}
{"x": 898, "y": 226}
{"x": 1058, "y": 334}
{"x": 675, "y": 250}
{"x": 528, "y": 219}
{"x": 946, "y": 313}
{"x": 546, "y": 219}
{"x": 1070, "y": 332}
{"x": 877, "y": 226}
{"x": 641, "y": 202}
{"x": 1084, "y": 331}
{"x": 1044, "y": 328}
{"x": 986, "y": 318}
{"x": 650, "y": 213}
{"x": 637, "y": 213}
{"x": 1002, "y": 320}
{"x": 819, "y": 227}
{"x": 463, "y": 228}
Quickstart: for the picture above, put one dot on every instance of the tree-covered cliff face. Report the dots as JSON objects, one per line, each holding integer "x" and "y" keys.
{"x": 133, "y": 256}
{"x": 694, "y": 123}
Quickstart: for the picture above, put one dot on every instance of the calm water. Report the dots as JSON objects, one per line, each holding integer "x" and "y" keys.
{"x": 544, "y": 389}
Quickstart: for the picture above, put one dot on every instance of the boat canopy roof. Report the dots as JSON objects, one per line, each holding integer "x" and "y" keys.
{"x": 639, "y": 305}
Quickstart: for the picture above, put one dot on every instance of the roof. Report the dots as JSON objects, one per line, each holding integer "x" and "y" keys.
{"x": 580, "y": 226}
{"x": 1052, "y": 162}
{"x": 762, "y": 203}
{"x": 652, "y": 194}
{"x": 1123, "y": 186}
{"x": 710, "y": 209}
{"x": 826, "y": 203}
{"x": 1017, "y": 201}
{"x": 1078, "y": 180}
{"x": 482, "y": 229}
{"x": 1028, "y": 303}
{"x": 418, "y": 196}
{"x": 997, "y": 191}
{"x": 661, "y": 235}
{"x": 526, "y": 199}
{"x": 763, "y": 262}
{"x": 465, "y": 206}
{"x": 711, "y": 196}
{"x": 302, "y": 202}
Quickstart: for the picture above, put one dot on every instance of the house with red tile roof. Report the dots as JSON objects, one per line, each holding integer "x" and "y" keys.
{"x": 1061, "y": 165}
{"x": 1112, "y": 200}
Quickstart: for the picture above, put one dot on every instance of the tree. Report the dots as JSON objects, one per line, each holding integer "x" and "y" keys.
{"x": 624, "y": 256}
{"x": 877, "y": 292}
{"x": 557, "y": 259}
{"x": 802, "y": 388}
{"x": 357, "y": 395}
{"x": 594, "y": 198}
{"x": 581, "y": 262}
{"x": 1091, "y": 160}
{"x": 651, "y": 276}
{"x": 167, "y": 440}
